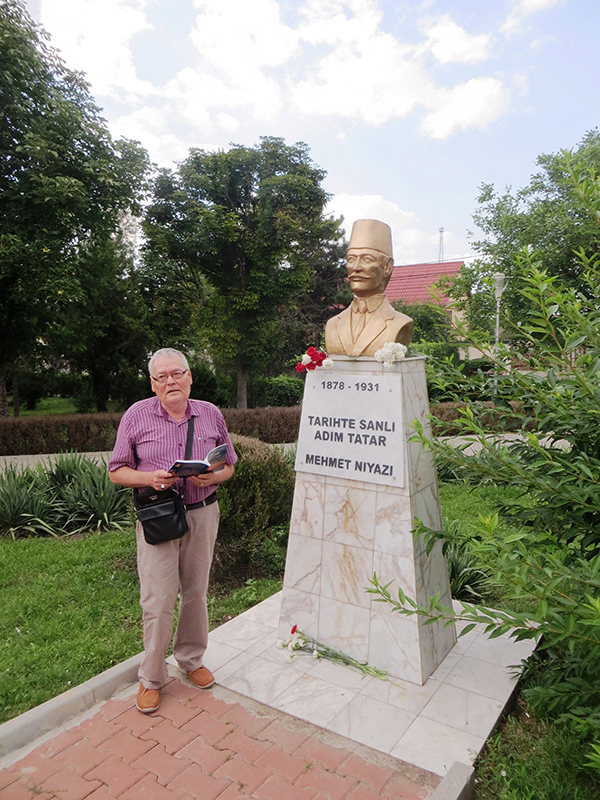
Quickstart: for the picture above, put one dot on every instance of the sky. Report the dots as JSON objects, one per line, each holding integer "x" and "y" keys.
{"x": 409, "y": 106}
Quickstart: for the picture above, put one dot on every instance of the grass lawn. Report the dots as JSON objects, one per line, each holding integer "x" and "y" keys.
{"x": 46, "y": 406}
{"x": 54, "y": 405}
{"x": 70, "y": 609}
{"x": 529, "y": 759}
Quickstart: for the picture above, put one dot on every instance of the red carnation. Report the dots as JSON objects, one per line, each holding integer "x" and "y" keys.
{"x": 294, "y": 629}
{"x": 312, "y": 365}
{"x": 300, "y": 367}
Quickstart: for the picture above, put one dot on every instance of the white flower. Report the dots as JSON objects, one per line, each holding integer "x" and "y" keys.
{"x": 306, "y": 359}
{"x": 281, "y": 644}
{"x": 291, "y": 646}
{"x": 315, "y": 653}
{"x": 390, "y": 352}
{"x": 290, "y": 656}
{"x": 328, "y": 362}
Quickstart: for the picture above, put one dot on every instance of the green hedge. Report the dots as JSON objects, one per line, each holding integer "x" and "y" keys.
{"x": 88, "y": 433}
{"x": 273, "y": 425}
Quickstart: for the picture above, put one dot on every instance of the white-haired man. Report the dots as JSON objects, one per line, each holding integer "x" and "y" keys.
{"x": 151, "y": 437}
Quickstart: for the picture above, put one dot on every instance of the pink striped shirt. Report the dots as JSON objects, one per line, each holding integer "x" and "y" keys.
{"x": 148, "y": 439}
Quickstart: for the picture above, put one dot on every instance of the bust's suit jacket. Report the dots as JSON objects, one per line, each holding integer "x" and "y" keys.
{"x": 385, "y": 324}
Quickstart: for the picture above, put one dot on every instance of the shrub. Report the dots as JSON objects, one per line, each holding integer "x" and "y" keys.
{"x": 83, "y": 493}
{"x": 255, "y": 503}
{"x": 437, "y": 351}
{"x": 474, "y": 365}
{"x": 273, "y": 425}
{"x": 215, "y": 387}
{"x": 284, "y": 390}
{"x": 468, "y": 580}
{"x": 25, "y": 509}
{"x": 68, "y": 495}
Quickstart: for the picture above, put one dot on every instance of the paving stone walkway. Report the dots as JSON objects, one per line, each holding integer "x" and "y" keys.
{"x": 202, "y": 745}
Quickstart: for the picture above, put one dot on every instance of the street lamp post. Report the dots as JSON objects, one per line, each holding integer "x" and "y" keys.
{"x": 500, "y": 281}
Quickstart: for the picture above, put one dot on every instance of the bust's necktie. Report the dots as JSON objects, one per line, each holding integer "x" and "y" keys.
{"x": 359, "y": 317}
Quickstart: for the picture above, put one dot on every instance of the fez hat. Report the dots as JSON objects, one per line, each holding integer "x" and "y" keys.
{"x": 373, "y": 234}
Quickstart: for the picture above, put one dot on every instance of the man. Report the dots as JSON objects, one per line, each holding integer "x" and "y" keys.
{"x": 151, "y": 437}
{"x": 369, "y": 321}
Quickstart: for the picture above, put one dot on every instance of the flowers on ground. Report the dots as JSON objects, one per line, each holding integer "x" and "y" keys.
{"x": 389, "y": 353}
{"x": 301, "y": 642}
{"x": 313, "y": 359}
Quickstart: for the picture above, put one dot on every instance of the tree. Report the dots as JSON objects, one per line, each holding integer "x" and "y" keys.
{"x": 546, "y": 216}
{"x": 241, "y": 233}
{"x": 105, "y": 332}
{"x": 303, "y": 324}
{"x": 63, "y": 183}
{"x": 432, "y": 321}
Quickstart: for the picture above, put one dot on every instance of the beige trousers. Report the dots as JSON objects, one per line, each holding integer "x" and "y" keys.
{"x": 165, "y": 570}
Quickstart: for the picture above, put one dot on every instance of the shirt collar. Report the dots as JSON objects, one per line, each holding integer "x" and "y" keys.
{"x": 161, "y": 411}
{"x": 373, "y": 302}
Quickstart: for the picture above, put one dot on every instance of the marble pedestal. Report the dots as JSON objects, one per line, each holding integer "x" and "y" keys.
{"x": 343, "y": 530}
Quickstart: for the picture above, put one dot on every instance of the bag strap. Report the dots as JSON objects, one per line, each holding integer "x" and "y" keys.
{"x": 190, "y": 439}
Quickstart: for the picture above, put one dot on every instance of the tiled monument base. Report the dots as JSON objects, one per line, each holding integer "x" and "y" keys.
{"x": 431, "y": 726}
{"x": 361, "y": 482}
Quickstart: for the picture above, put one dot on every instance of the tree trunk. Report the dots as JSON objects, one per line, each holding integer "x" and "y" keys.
{"x": 100, "y": 391}
{"x": 15, "y": 388}
{"x": 3, "y": 397}
{"x": 242, "y": 389}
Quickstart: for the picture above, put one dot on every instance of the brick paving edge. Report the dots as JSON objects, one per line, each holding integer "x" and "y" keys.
{"x": 21, "y": 731}
{"x": 24, "y": 729}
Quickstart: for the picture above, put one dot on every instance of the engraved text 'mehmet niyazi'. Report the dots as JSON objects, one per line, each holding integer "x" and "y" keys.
{"x": 368, "y": 467}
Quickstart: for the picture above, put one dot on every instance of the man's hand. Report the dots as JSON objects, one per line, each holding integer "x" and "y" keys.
{"x": 161, "y": 479}
{"x": 209, "y": 478}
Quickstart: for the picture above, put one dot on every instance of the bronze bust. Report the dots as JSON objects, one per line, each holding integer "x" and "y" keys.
{"x": 369, "y": 321}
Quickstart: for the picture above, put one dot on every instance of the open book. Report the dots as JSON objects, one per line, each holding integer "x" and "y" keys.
{"x": 214, "y": 460}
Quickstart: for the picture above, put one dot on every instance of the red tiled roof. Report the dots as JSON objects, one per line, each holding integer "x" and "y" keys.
{"x": 411, "y": 283}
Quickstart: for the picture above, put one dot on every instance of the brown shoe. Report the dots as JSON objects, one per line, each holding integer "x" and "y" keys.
{"x": 202, "y": 678}
{"x": 148, "y": 700}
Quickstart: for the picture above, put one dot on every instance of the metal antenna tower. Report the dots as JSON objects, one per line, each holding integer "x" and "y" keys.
{"x": 441, "y": 251}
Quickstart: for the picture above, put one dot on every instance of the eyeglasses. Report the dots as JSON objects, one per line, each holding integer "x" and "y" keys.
{"x": 163, "y": 377}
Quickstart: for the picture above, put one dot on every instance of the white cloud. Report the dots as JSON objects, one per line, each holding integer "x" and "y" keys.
{"x": 95, "y": 37}
{"x": 227, "y": 122}
{"x": 239, "y": 42}
{"x": 150, "y": 126}
{"x": 449, "y": 43}
{"x": 367, "y": 74}
{"x": 371, "y": 77}
{"x": 524, "y": 8}
{"x": 474, "y": 103}
{"x": 238, "y": 36}
{"x": 337, "y": 62}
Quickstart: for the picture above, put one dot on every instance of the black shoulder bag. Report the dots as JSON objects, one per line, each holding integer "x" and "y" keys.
{"x": 162, "y": 512}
